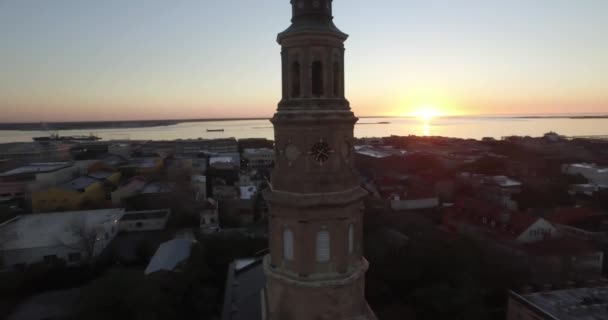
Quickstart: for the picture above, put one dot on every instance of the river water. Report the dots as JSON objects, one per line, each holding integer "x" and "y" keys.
{"x": 459, "y": 127}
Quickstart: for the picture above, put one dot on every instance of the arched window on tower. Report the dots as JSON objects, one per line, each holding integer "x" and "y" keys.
{"x": 351, "y": 239}
{"x": 295, "y": 80}
{"x": 323, "y": 246}
{"x": 336, "y": 79}
{"x": 317, "y": 78}
{"x": 288, "y": 244}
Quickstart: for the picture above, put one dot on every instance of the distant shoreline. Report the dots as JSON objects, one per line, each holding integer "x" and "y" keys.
{"x": 132, "y": 124}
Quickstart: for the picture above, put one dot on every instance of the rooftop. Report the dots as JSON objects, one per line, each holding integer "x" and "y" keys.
{"x": 591, "y": 166}
{"x": 133, "y": 184}
{"x": 221, "y": 159}
{"x": 158, "y": 187}
{"x": 500, "y": 222}
{"x": 144, "y": 215}
{"x": 570, "y": 215}
{"x": 79, "y": 183}
{"x": 247, "y": 192}
{"x": 53, "y": 229}
{"x": 199, "y": 178}
{"x": 114, "y": 160}
{"x": 243, "y": 295}
{"x": 505, "y": 182}
{"x": 559, "y": 247}
{"x": 37, "y": 168}
{"x": 257, "y": 150}
{"x": 142, "y": 162}
{"x": 371, "y": 152}
{"x": 169, "y": 256}
{"x": 570, "y": 304}
{"x": 100, "y": 175}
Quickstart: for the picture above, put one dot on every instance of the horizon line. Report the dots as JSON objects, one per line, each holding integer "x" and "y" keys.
{"x": 499, "y": 115}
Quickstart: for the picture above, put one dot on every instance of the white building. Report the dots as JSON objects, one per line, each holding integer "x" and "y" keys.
{"x": 259, "y": 158}
{"x": 209, "y": 216}
{"x": 225, "y": 161}
{"x": 199, "y": 184}
{"x": 144, "y": 220}
{"x": 593, "y": 173}
{"x": 73, "y": 237}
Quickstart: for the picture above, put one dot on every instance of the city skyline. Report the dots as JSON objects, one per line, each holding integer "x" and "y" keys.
{"x": 77, "y": 61}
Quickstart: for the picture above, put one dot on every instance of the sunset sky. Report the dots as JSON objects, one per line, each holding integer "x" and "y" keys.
{"x": 65, "y": 60}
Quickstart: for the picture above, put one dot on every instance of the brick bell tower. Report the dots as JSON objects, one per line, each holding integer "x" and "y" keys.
{"x": 315, "y": 269}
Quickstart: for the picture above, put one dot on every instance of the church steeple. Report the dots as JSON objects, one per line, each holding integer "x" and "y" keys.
{"x": 316, "y": 268}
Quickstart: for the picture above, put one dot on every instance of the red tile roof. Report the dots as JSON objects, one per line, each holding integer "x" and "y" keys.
{"x": 570, "y": 215}
{"x": 496, "y": 220}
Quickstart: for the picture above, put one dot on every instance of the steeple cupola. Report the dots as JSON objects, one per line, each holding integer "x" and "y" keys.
{"x": 319, "y": 10}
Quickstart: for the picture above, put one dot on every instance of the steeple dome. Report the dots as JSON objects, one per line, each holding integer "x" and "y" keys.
{"x": 311, "y": 9}
{"x": 312, "y": 15}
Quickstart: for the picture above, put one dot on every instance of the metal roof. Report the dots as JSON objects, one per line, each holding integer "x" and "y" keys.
{"x": 37, "y": 168}
{"x": 169, "y": 256}
{"x": 79, "y": 183}
{"x": 243, "y": 294}
{"x": 101, "y": 174}
{"x": 53, "y": 229}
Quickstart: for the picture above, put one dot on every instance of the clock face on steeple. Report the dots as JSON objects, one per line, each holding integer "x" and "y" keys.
{"x": 320, "y": 152}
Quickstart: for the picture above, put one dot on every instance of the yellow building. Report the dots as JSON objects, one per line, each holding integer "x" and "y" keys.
{"x": 80, "y": 193}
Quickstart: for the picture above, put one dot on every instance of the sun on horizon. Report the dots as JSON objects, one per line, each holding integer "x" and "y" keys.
{"x": 427, "y": 112}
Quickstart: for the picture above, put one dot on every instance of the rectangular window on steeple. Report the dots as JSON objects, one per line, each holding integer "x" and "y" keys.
{"x": 317, "y": 78}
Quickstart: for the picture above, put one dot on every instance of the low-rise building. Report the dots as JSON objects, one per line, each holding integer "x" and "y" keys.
{"x": 114, "y": 160}
{"x": 225, "y": 161}
{"x": 581, "y": 223}
{"x": 228, "y": 145}
{"x": 36, "y": 152}
{"x": 224, "y": 192}
{"x": 560, "y": 259}
{"x": 209, "y": 215}
{"x": 42, "y": 174}
{"x": 199, "y": 186}
{"x": 128, "y": 189}
{"x": 497, "y": 189}
{"x": 241, "y": 208}
{"x": 483, "y": 220}
{"x": 82, "y": 192}
{"x": 121, "y": 149}
{"x": 594, "y": 173}
{"x": 154, "y": 195}
{"x": 259, "y": 158}
{"x": 143, "y": 166}
{"x": 71, "y": 237}
{"x": 150, "y": 220}
{"x": 565, "y": 304}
